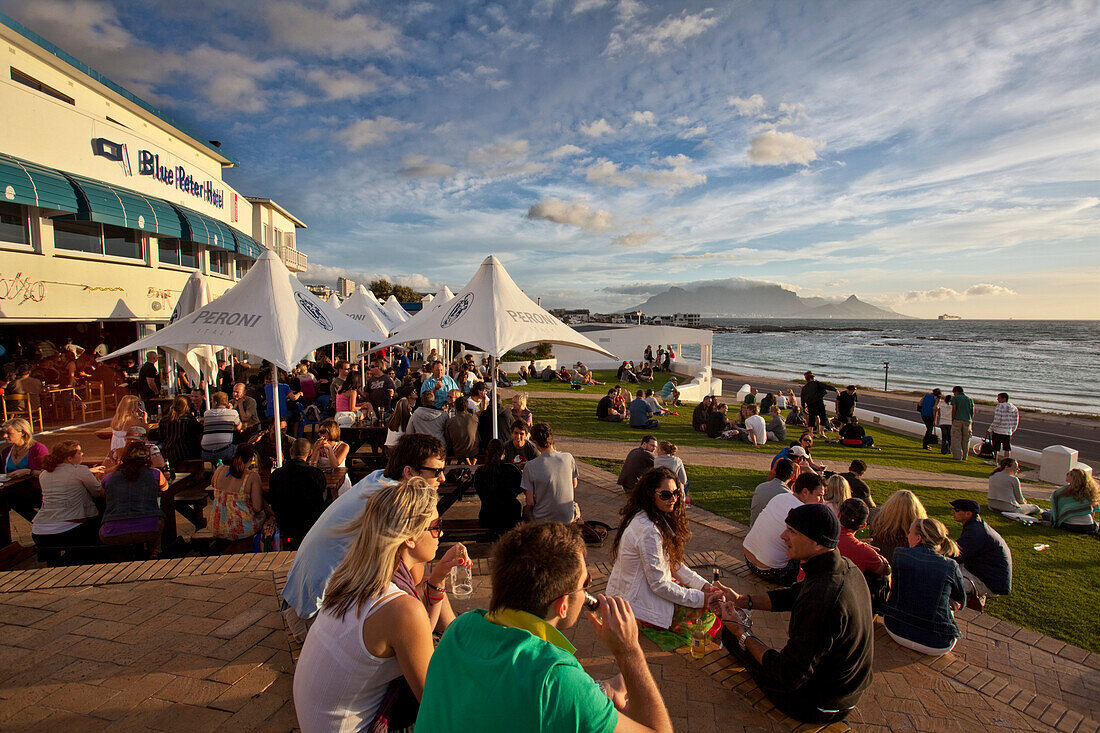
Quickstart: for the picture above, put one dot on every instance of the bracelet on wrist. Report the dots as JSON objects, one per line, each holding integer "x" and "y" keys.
{"x": 433, "y": 586}
{"x": 749, "y": 606}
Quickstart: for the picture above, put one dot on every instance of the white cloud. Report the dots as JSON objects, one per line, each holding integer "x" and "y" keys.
{"x": 317, "y": 31}
{"x": 583, "y": 6}
{"x": 370, "y": 132}
{"x": 942, "y": 293}
{"x": 781, "y": 148}
{"x": 671, "y": 172}
{"x": 420, "y": 166}
{"x": 605, "y": 173}
{"x": 692, "y": 132}
{"x": 575, "y": 213}
{"x": 337, "y": 84}
{"x": 325, "y": 274}
{"x": 671, "y": 32}
{"x": 634, "y": 239}
{"x": 566, "y": 151}
{"x": 643, "y": 118}
{"x": 499, "y": 152}
{"x": 749, "y": 107}
{"x": 596, "y": 128}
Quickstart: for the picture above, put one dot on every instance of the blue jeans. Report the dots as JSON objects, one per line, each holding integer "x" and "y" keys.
{"x": 224, "y": 454}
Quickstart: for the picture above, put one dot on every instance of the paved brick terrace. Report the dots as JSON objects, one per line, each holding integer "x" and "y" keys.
{"x": 198, "y": 644}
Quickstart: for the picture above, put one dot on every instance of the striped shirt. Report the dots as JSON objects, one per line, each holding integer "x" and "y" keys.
{"x": 1006, "y": 418}
{"x": 218, "y": 426}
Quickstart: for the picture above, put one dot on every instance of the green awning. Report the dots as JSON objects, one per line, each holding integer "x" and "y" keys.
{"x": 247, "y": 246}
{"x": 35, "y": 185}
{"x": 205, "y": 229}
{"x": 108, "y": 204}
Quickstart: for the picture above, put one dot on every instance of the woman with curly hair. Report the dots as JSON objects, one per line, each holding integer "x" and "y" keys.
{"x": 1071, "y": 506}
{"x": 890, "y": 527}
{"x": 649, "y": 568}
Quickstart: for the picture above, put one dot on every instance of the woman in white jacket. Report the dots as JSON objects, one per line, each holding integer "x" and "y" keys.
{"x": 649, "y": 568}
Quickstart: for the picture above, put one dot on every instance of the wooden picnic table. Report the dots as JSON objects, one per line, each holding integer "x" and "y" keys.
{"x": 364, "y": 433}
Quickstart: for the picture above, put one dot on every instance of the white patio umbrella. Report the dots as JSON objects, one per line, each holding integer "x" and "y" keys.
{"x": 334, "y": 301}
{"x": 268, "y": 313}
{"x": 394, "y": 309}
{"x": 197, "y": 360}
{"x": 363, "y": 307}
{"x": 492, "y": 313}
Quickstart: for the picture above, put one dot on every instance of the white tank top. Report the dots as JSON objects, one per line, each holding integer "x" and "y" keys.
{"x": 118, "y": 439}
{"x": 338, "y": 684}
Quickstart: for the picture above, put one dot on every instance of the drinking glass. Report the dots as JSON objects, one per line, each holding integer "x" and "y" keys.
{"x": 462, "y": 582}
{"x": 698, "y": 643}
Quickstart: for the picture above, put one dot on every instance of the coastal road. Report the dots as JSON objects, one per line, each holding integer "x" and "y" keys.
{"x": 1037, "y": 430}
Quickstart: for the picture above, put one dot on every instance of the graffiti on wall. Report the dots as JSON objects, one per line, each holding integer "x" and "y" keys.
{"x": 21, "y": 289}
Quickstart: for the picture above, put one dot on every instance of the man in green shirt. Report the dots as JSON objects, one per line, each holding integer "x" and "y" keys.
{"x": 510, "y": 668}
{"x": 962, "y": 419}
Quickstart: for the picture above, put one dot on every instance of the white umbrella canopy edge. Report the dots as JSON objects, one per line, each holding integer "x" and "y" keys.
{"x": 268, "y": 313}
{"x": 394, "y": 309}
{"x": 198, "y": 361}
{"x": 362, "y": 306}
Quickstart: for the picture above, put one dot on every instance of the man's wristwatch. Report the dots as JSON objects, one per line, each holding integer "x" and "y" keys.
{"x": 742, "y": 640}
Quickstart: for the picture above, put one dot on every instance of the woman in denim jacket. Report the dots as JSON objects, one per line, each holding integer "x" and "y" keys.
{"x": 927, "y": 587}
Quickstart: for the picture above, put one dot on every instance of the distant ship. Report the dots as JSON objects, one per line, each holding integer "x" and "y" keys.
{"x": 948, "y": 317}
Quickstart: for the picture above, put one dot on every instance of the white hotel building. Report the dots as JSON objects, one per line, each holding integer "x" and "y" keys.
{"x": 107, "y": 205}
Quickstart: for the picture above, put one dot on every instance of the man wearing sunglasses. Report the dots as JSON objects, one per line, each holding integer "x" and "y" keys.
{"x": 325, "y": 545}
{"x": 539, "y": 581}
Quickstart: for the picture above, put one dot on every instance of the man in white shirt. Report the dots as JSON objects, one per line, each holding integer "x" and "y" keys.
{"x": 219, "y": 424}
{"x": 756, "y": 429}
{"x": 765, "y": 551}
{"x": 1006, "y": 418}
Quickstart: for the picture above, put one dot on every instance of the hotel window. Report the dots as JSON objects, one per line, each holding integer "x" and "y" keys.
{"x": 220, "y": 261}
{"x": 100, "y": 239}
{"x": 267, "y": 237}
{"x": 33, "y": 83}
{"x": 288, "y": 239}
{"x": 178, "y": 252}
{"x": 13, "y": 224}
{"x": 243, "y": 266}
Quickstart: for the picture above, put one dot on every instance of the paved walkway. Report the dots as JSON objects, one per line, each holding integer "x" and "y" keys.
{"x": 198, "y": 644}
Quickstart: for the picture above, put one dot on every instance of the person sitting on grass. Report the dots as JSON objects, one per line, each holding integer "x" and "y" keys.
{"x": 1004, "y": 494}
{"x": 1072, "y": 506}
{"x": 669, "y": 393}
{"x": 716, "y": 420}
{"x": 699, "y": 414}
{"x": 860, "y": 489}
{"x": 756, "y": 430}
{"x": 927, "y": 588}
{"x": 655, "y": 404}
{"x": 983, "y": 554}
{"x": 641, "y": 414}
{"x": 853, "y": 517}
{"x": 764, "y": 547}
{"x": 648, "y": 555}
{"x": 853, "y": 434}
{"x": 605, "y": 410}
{"x": 777, "y": 428}
{"x": 563, "y": 374}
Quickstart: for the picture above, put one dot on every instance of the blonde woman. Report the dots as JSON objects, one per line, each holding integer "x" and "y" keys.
{"x": 23, "y": 455}
{"x": 372, "y": 628}
{"x": 890, "y": 527}
{"x": 926, "y": 589}
{"x": 128, "y": 414}
{"x": 330, "y": 452}
{"x": 837, "y": 491}
{"x": 1071, "y": 506}
{"x": 519, "y": 409}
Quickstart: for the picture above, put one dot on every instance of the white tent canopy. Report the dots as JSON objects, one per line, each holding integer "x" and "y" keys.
{"x": 363, "y": 306}
{"x": 198, "y": 360}
{"x": 394, "y": 309}
{"x": 493, "y": 314}
{"x": 268, "y": 313}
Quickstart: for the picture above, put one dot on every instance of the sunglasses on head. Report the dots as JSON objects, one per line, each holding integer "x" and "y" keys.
{"x": 665, "y": 494}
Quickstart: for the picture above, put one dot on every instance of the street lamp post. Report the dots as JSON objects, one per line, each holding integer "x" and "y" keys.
{"x": 886, "y": 377}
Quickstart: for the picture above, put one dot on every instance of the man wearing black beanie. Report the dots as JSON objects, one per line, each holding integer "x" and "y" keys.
{"x": 819, "y": 676}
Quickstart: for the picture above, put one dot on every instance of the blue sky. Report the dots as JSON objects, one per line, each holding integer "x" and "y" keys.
{"x": 931, "y": 157}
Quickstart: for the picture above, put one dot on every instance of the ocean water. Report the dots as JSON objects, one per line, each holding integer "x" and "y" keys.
{"x": 1049, "y": 365}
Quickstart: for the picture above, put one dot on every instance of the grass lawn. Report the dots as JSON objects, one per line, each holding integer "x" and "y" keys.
{"x": 578, "y": 418}
{"x": 602, "y": 375}
{"x": 1051, "y": 589}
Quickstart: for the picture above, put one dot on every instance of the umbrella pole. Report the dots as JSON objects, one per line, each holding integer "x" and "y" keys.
{"x": 277, "y": 426}
{"x": 493, "y": 373}
{"x": 206, "y": 388}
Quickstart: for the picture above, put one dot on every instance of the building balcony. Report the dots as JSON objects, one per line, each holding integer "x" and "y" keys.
{"x": 294, "y": 260}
